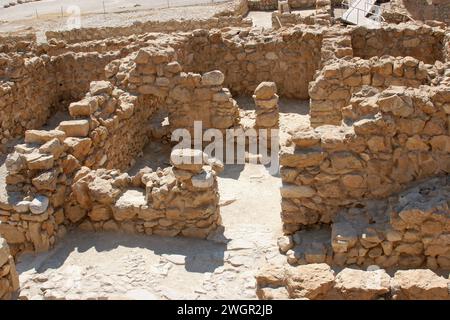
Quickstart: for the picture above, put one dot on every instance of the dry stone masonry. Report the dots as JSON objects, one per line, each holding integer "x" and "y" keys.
{"x": 9, "y": 280}
{"x": 364, "y": 170}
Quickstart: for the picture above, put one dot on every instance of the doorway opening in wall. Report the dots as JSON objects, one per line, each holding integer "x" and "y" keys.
{"x": 156, "y": 153}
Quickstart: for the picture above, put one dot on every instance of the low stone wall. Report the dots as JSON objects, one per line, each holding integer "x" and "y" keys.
{"x": 422, "y": 42}
{"x": 9, "y": 280}
{"x": 289, "y": 59}
{"x": 334, "y": 85}
{"x": 181, "y": 200}
{"x": 320, "y": 282}
{"x": 389, "y": 140}
{"x": 109, "y": 130}
{"x": 75, "y": 71}
{"x": 262, "y": 5}
{"x": 34, "y": 88}
{"x": 27, "y": 95}
{"x": 86, "y": 34}
{"x": 187, "y": 97}
{"x": 17, "y": 43}
{"x": 268, "y": 5}
{"x": 321, "y": 15}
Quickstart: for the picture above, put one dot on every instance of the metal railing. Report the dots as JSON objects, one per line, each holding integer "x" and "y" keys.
{"x": 369, "y": 11}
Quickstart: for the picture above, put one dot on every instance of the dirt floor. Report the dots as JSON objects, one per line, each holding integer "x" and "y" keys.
{"x": 104, "y": 265}
{"x": 118, "y": 13}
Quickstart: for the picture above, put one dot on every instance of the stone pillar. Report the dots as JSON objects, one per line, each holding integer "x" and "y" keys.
{"x": 9, "y": 280}
{"x": 267, "y": 112}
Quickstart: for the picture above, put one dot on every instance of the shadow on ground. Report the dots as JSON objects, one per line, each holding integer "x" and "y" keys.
{"x": 200, "y": 255}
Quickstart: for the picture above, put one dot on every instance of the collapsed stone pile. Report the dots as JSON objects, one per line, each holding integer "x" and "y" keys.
{"x": 320, "y": 282}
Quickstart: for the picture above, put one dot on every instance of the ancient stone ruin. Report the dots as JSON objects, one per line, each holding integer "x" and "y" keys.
{"x": 363, "y": 172}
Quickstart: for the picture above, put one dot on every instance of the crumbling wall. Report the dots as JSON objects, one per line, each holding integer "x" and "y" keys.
{"x": 262, "y": 5}
{"x": 17, "y": 43}
{"x": 86, "y": 34}
{"x": 9, "y": 280}
{"x": 289, "y": 59}
{"x": 109, "y": 130}
{"x": 422, "y": 42}
{"x": 34, "y": 88}
{"x": 187, "y": 97}
{"x": 180, "y": 200}
{"x": 28, "y": 94}
{"x": 319, "y": 282}
{"x": 334, "y": 85}
{"x": 388, "y": 141}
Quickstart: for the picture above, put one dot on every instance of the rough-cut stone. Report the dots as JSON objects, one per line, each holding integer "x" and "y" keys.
{"x": 352, "y": 284}
{"x": 43, "y": 136}
{"x": 213, "y": 78}
{"x": 311, "y": 281}
{"x": 265, "y": 90}
{"x": 99, "y": 87}
{"x": 39, "y": 204}
{"x": 419, "y": 284}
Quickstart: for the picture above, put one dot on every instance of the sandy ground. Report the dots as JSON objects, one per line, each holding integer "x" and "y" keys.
{"x": 105, "y": 266}
{"x": 118, "y": 13}
{"x": 261, "y": 18}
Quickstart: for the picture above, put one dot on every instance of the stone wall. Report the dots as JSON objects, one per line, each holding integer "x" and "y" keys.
{"x": 9, "y": 280}
{"x": 320, "y": 282}
{"x": 28, "y": 94}
{"x": 33, "y": 88}
{"x": 109, "y": 129}
{"x": 262, "y": 5}
{"x": 187, "y": 97}
{"x": 289, "y": 59}
{"x": 334, "y": 85}
{"x": 410, "y": 230}
{"x": 388, "y": 141}
{"x": 321, "y": 16}
{"x": 17, "y": 43}
{"x": 421, "y": 10}
{"x": 86, "y": 34}
{"x": 422, "y": 42}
